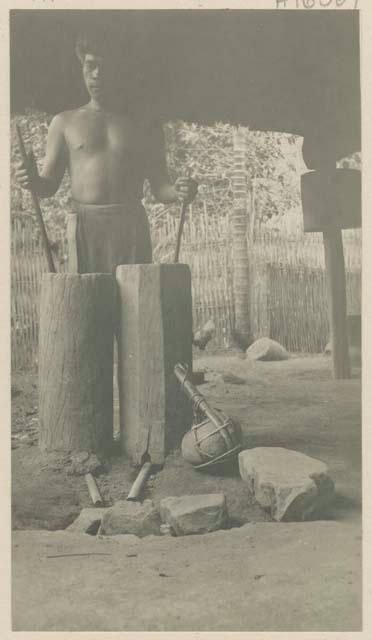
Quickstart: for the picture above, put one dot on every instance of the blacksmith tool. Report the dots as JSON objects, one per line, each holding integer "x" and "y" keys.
{"x": 36, "y": 204}
{"x": 181, "y": 224}
{"x": 180, "y": 231}
{"x": 214, "y": 438}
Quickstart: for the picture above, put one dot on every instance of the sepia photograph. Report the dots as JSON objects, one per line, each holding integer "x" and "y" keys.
{"x": 185, "y": 272}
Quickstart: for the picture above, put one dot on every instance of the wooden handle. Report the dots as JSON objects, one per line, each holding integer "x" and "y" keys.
{"x": 35, "y": 200}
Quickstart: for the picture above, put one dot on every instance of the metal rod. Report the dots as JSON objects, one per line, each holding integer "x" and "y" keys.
{"x": 180, "y": 231}
{"x": 93, "y": 490}
{"x": 196, "y": 397}
{"x": 35, "y": 201}
{"x": 140, "y": 482}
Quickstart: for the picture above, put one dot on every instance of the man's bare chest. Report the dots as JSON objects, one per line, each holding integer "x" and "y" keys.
{"x": 98, "y": 133}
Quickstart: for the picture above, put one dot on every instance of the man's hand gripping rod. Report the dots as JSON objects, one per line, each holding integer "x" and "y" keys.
{"x": 181, "y": 226}
{"x": 35, "y": 201}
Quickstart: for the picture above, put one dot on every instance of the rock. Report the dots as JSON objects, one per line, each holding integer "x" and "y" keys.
{"x": 231, "y": 378}
{"x": 194, "y": 514}
{"x": 140, "y": 519}
{"x": 204, "y": 335}
{"x": 88, "y": 521}
{"x": 266, "y": 349}
{"x": 166, "y": 530}
{"x": 355, "y": 354}
{"x": 82, "y": 462}
{"x": 291, "y": 485}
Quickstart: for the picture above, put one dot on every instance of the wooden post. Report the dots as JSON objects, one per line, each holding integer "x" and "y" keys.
{"x": 336, "y": 282}
{"x": 155, "y": 333}
{"x": 331, "y": 201}
{"x": 76, "y": 361}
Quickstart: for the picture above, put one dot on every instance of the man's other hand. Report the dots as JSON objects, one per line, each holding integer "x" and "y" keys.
{"x": 186, "y": 189}
{"x": 27, "y": 173}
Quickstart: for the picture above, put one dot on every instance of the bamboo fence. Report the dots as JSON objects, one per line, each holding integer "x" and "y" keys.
{"x": 288, "y": 287}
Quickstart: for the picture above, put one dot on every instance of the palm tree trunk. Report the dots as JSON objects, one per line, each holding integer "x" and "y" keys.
{"x": 240, "y": 229}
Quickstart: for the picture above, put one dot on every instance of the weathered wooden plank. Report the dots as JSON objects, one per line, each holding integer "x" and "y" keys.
{"x": 155, "y": 333}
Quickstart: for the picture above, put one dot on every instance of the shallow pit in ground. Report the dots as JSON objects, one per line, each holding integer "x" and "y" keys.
{"x": 46, "y": 496}
{"x": 295, "y": 404}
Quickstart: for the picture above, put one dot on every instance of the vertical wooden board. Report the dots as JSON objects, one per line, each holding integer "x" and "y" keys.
{"x": 151, "y": 392}
{"x": 155, "y": 333}
{"x": 127, "y": 279}
{"x": 141, "y": 379}
{"x": 176, "y": 302}
{"x": 76, "y": 362}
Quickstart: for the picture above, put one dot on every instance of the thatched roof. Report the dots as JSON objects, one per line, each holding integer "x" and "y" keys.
{"x": 271, "y": 70}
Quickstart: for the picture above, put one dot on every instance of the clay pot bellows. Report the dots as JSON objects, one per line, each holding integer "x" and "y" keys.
{"x": 207, "y": 444}
{"x": 216, "y": 437}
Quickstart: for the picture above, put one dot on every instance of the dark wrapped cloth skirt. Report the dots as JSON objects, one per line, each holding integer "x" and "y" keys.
{"x": 100, "y": 237}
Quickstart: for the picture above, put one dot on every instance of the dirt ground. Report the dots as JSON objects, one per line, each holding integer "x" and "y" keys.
{"x": 261, "y": 576}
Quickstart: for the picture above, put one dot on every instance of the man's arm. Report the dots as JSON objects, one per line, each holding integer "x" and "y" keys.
{"x": 184, "y": 188}
{"x": 47, "y": 182}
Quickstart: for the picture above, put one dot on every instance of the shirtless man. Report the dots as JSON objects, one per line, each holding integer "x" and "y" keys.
{"x": 108, "y": 154}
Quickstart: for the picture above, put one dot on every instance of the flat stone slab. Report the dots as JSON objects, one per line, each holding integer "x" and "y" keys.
{"x": 291, "y": 485}
{"x": 140, "y": 519}
{"x": 194, "y": 514}
{"x": 88, "y": 521}
{"x": 266, "y": 349}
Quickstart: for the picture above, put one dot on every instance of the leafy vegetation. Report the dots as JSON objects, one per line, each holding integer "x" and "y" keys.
{"x": 274, "y": 165}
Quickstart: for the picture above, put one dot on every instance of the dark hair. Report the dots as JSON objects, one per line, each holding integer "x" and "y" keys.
{"x": 97, "y": 41}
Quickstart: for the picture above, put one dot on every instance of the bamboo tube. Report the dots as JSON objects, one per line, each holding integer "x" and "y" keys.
{"x": 93, "y": 490}
{"x": 139, "y": 483}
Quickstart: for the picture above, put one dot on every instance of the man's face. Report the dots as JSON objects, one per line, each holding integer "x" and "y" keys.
{"x": 95, "y": 75}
